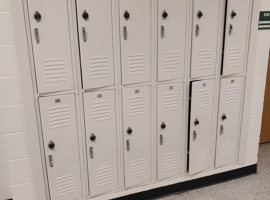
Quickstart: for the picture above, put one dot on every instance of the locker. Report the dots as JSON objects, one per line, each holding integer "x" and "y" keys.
{"x": 137, "y": 135}
{"x": 60, "y": 136}
{"x": 101, "y": 141}
{"x": 236, "y": 36}
{"x": 231, "y": 91}
{"x": 205, "y": 37}
{"x": 172, "y": 22}
{"x": 96, "y": 42}
{"x": 201, "y": 125}
{"x": 49, "y": 23}
{"x": 170, "y": 99}
{"x": 135, "y": 30}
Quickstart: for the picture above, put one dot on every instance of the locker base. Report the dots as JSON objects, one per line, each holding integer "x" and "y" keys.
{"x": 193, "y": 184}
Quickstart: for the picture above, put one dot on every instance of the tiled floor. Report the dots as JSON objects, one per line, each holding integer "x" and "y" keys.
{"x": 253, "y": 187}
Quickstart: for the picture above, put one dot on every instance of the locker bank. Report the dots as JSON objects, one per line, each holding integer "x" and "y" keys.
{"x": 134, "y": 99}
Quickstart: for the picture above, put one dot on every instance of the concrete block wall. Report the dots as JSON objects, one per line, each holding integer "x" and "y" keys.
{"x": 14, "y": 155}
{"x": 14, "y": 151}
{"x": 261, "y": 65}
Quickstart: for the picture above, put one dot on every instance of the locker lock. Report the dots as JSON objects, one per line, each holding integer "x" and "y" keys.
{"x": 37, "y": 16}
{"x": 93, "y": 137}
{"x": 233, "y": 15}
{"x": 126, "y": 15}
{"x": 51, "y": 145}
{"x": 196, "y": 122}
{"x": 223, "y": 117}
{"x": 163, "y": 125}
{"x": 129, "y": 131}
{"x": 199, "y": 14}
{"x": 164, "y": 14}
{"x": 85, "y": 15}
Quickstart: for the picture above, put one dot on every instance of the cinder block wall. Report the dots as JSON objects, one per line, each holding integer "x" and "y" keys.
{"x": 255, "y": 116}
{"x": 13, "y": 146}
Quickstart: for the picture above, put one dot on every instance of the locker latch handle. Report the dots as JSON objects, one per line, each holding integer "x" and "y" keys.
{"x": 84, "y": 34}
{"x": 164, "y": 14}
{"x": 129, "y": 131}
{"x": 199, "y": 14}
{"x": 223, "y": 117}
{"x": 85, "y": 15}
{"x": 37, "y": 35}
{"x": 93, "y": 137}
{"x": 230, "y": 29}
{"x": 161, "y": 140}
{"x": 91, "y": 150}
{"x": 51, "y": 145}
{"x": 125, "y": 32}
{"x": 37, "y": 16}
{"x": 194, "y": 135}
{"x": 163, "y": 125}
{"x": 196, "y": 122}
{"x": 128, "y": 145}
{"x": 162, "y": 32}
{"x": 51, "y": 160}
{"x": 221, "y": 129}
{"x": 197, "y": 31}
{"x": 233, "y": 14}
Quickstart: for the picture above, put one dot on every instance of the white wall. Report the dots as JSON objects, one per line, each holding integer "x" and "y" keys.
{"x": 12, "y": 128}
{"x": 12, "y": 131}
{"x": 255, "y": 116}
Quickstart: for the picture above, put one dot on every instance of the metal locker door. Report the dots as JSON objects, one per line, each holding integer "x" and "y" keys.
{"x": 229, "y": 120}
{"x": 172, "y": 21}
{"x": 59, "y": 126}
{"x": 170, "y": 99}
{"x": 96, "y": 42}
{"x": 137, "y": 135}
{"x": 100, "y": 120}
{"x": 201, "y": 125}
{"x": 50, "y": 32}
{"x": 237, "y": 27}
{"x": 205, "y": 37}
{"x": 135, "y": 30}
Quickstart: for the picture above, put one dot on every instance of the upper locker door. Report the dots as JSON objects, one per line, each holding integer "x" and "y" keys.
{"x": 201, "y": 125}
{"x": 229, "y": 118}
{"x": 237, "y": 29}
{"x": 206, "y": 19}
{"x": 96, "y": 42}
{"x": 51, "y": 45}
{"x": 60, "y": 136}
{"x": 137, "y": 135}
{"x": 172, "y": 22}
{"x": 170, "y": 129}
{"x": 100, "y": 120}
{"x": 135, "y": 30}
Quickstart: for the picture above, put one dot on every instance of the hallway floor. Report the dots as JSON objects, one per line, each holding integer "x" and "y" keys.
{"x": 253, "y": 187}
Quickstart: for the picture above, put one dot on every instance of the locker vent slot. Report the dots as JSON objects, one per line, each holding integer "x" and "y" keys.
{"x": 136, "y": 64}
{"x": 104, "y": 176}
{"x": 98, "y": 67}
{"x": 171, "y": 101}
{"x": 227, "y": 150}
{"x": 201, "y": 157}
{"x": 204, "y": 98}
{"x": 205, "y": 59}
{"x": 59, "y": 116}
{"x": 172, "y": 61}
{"x": 65, "y": 185}
{"x": 138, "y": 168}
{"x": 231, "y": 94}
{"x": 137, "y": 105}
{"x": 54, "y": 70}
{"x": 100, "y": 110}
{"x": 235, "y": 58}
{"x": 170, "y": 161}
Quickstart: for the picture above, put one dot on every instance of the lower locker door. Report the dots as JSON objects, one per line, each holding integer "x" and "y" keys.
{"x": 170, "y": 129}
{"x": 229, "y": 118}
{"x": 100, "y": 120}
{"x": 59, "y": 126}
{"x": 137, "y": 135}
{"x": 201, "y": 125}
